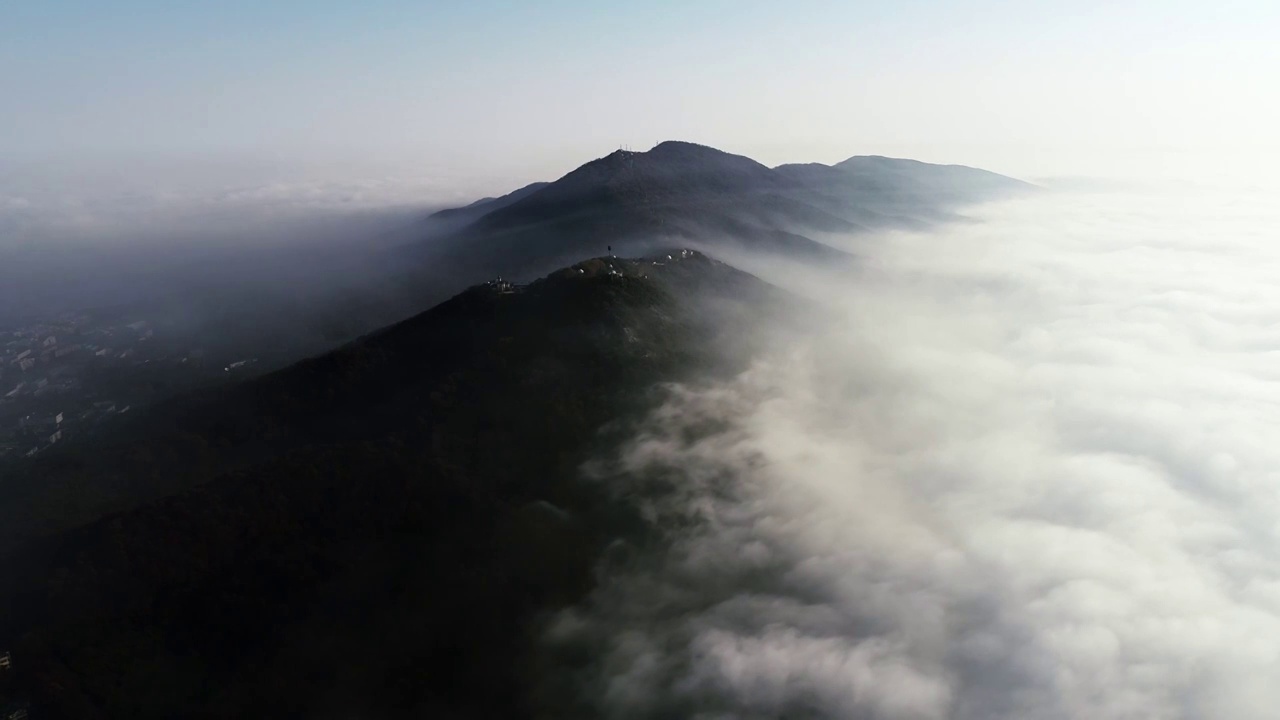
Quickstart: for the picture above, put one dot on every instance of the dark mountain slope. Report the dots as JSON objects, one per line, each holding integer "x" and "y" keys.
{"x": 376, "y": 530}
{"x": 459, "y": 217}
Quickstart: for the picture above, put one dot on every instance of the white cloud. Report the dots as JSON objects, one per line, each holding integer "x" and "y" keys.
{"x": 1030, "y": 473}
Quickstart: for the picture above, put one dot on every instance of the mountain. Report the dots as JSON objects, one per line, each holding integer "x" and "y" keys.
{"x": 380, "y": 530}
{"x": 684, "y": 192}
{"x": 459, "y": 217}
{"x": 910, "y": 183}
{"x": 375, "y": 531}
{"x": 633, "y": 204}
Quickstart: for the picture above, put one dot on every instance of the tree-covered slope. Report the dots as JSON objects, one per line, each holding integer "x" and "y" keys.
{"x": 372, "y": 531}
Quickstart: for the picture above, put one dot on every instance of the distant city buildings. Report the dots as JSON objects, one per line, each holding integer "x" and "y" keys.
{"x": 67, "y": 375}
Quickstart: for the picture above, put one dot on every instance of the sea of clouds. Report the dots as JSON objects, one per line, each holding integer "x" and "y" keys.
{"x": 93, "y": 236}
{"x": 1032, "y": 471}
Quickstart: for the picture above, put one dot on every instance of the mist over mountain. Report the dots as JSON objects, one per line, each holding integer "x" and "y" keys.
{"x": 453, "y": 499}
{"x": 1021, "y": 474}
{"x": 685, "y": 192}
{"x": 292, "y": 268}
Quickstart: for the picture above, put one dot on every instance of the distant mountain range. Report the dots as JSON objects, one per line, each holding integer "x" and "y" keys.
{"x": 681, "y": 192}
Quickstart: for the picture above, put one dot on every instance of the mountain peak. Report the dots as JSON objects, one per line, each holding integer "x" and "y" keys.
{"x": 683, "y": 151}
{"x": 672, "y": 146}
{"x": 671, "y": 169}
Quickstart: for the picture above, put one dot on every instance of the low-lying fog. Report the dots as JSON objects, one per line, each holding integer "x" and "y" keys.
{"x": 242, "y": 262}
{"x": 93, "y": 242}
{"x": 1030, "y": 473}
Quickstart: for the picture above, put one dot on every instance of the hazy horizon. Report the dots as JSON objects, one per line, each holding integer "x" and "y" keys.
{"x": 401, "y": 103}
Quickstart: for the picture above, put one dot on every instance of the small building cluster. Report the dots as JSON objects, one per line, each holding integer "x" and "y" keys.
{"x": 240, "y": 364}
{"x": 503, "y": 287}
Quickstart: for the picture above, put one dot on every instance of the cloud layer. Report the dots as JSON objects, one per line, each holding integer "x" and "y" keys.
{"x": 115, "y": 238}
{"x": 1030, "y": 473}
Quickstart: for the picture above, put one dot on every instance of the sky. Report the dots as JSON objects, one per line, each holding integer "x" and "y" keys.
{"x": 480, "y": 94}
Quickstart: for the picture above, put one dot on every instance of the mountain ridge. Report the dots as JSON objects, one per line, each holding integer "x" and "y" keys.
{"x": 279, "y": 547}
{"x": 315, "y": 513}
{"x": 686, "y": 192}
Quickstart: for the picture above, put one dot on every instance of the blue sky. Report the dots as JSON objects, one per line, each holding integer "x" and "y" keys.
{"x": 530, "y": 89}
